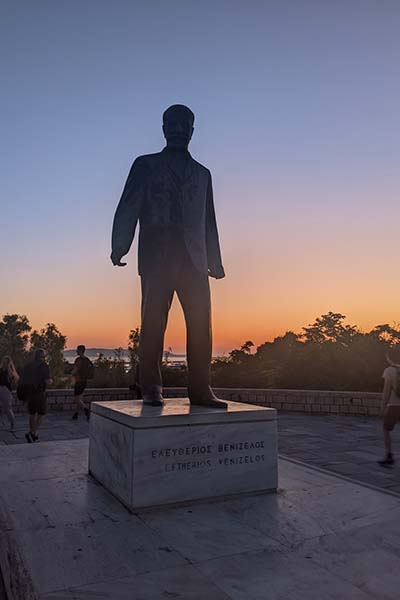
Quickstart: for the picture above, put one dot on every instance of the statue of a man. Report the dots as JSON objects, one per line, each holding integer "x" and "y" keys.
{"x": 171, "y": 196}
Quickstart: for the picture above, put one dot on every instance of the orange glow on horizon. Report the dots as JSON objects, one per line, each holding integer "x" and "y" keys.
{"x": 282, "y": 271}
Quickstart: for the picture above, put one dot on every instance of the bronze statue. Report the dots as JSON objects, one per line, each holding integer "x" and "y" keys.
{"x": 171, "y": 196}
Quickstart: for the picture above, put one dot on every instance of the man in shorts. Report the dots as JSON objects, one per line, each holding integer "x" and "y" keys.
{"x": 34, "y": 381}
{"x": 82, "y": 372}
{"x": 390, "y": 408}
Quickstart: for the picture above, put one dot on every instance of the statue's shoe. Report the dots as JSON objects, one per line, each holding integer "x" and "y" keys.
{"x": 208, "y": 402}
{"x": 153, "y": 400}
{"x": 204, "y": 396}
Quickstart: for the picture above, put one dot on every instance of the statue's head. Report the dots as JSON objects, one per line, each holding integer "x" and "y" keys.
{"x": 178, "y": 123}
{"x": 80, "y": 350}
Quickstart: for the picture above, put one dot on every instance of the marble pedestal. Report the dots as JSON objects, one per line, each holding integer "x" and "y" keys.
{"x": 147, "y": 456}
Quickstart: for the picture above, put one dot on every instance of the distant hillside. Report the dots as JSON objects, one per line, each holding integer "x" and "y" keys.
{"x": 93, "y": 353}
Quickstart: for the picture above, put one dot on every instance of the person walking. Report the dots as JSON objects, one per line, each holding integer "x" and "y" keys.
{"x": 8, "y": 378}
{"x": 390, "y": 407}
{"x": 83, "y": 370}
{"x": 34, "y": 381}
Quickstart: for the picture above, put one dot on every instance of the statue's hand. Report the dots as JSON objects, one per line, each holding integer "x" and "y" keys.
{"x": 116, "y": 260}
{"x": 217, "y": 272}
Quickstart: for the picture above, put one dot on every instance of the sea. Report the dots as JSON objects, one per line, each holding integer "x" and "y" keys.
{"x": 94, "y": 353}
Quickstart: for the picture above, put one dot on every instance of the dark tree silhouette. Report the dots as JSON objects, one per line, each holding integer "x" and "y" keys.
{"x": 53, "y": 342}
{"x": 14, "y": 337}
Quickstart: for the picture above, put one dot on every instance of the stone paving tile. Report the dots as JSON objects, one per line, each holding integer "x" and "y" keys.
{"x": 394, "y": 488}
{"x": 182, "y": 582}
{"x": 368, "y": 559}
{"x": 55, "y": 426}
{"x": 215, "y": 530}
{"x": 55, "y": 501}
{"x": 299, "y": 513}
{"x": 348, "y": 446}
{"x": 270, "y": 575}
{"x": 99, "y": 551}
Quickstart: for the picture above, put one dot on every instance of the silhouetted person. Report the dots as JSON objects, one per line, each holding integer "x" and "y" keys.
{"x": 171, "y": 196}
{"x": 8, "y": 378}
{"x": 34, "y": 381}
{"x": 390, "y": 406}
{"x": 81, "y": 372}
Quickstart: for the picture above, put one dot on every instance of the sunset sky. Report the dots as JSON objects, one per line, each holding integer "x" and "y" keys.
{"x": 297, "y": 117}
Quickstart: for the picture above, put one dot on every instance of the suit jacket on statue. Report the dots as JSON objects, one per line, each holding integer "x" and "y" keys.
{"x": 166, "y": 205}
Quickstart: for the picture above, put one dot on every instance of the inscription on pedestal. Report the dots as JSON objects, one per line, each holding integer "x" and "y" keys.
{"x": 226, "y": 455}
{"x": 178, "y": 461}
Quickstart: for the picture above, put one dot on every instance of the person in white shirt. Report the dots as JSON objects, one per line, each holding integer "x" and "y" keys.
{"x": 390, "y": 407}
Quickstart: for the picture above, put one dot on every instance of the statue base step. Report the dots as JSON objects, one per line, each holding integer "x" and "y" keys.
{"x": 148, "y": 456}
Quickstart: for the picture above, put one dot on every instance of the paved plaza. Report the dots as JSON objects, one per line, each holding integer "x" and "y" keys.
{"x": 347, "y": 446}
{"x": 331, "y": 532}
{"x": 63, "y": 536}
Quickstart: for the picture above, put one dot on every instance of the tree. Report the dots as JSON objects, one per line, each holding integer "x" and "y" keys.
{"x": 110, "y": 372}
{"x": 118, "y": 354}
{"x": 53, "y": 343}
{"x": 387, "y": 334}
{"x": 329, "y": 328}
{"x": 240, "y": 355}
{"x": 327, "y": 355}
{"x": 14, "y": 337}
{"x": 133, "y": 348}
{"x": 118, "y": 366}
{"x": 274, "y": 358}
{"x": 280, "y": 349}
